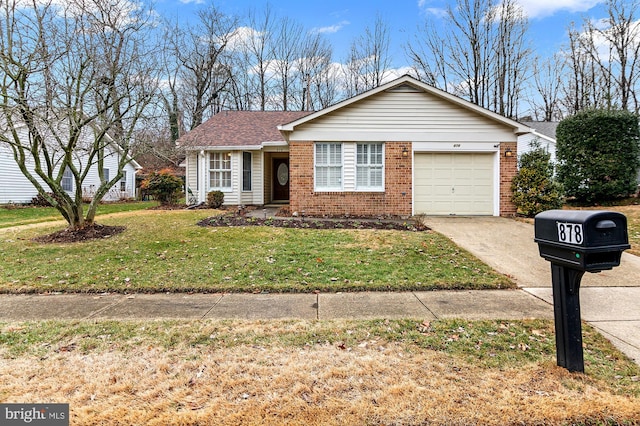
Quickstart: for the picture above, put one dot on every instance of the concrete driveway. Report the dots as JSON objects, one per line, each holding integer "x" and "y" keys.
{"x": 610, "y": 300}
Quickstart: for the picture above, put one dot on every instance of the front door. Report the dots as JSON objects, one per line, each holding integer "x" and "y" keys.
{"x": 280, "y": 179}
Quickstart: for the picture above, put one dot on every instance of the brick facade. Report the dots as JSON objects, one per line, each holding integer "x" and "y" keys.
{"x": 508, "y": 169}
{"x": 397, "y": 198}
{"x": 394, "y": 201}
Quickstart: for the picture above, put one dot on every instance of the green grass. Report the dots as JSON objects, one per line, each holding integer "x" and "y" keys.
{"x": 167, "y": 251}
{"x": 485, "y": 344}
{"x": 25, "y": 215}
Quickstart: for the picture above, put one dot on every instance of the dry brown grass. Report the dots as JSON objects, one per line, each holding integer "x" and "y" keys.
{"x": 374, "y": 382}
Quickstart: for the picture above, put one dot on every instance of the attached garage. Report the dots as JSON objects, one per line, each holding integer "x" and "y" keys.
{"x": 441, "y": 155}
{"x": 457, "y": 183}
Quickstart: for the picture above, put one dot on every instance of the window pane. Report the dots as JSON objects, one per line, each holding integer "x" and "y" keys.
{"x": 67, "y": 180}
{"x": 220, "y": 170}
{"x": 321, "y": 153}
{"x": 246, "y": 171}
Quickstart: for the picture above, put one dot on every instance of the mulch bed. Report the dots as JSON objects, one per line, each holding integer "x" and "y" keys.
{"x": 311, "y": 223}
{"x": 78, "y": 235}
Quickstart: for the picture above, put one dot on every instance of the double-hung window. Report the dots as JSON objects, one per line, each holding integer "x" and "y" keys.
{"x": 123, "y": 182}
{"x": 67, "y": 180}
{"x": 328, "y": 165}
{"x": 220, "y": 171}
{"x": 369, "y": 167}
{"x": 246, "y": 171}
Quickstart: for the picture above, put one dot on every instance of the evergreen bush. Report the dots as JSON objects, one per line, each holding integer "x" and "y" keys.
{"x": 534, "y": 187}
{"x": 597, "y": 153}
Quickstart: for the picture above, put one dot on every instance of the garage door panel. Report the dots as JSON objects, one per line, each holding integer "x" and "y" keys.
{"x": 448, "y": 183}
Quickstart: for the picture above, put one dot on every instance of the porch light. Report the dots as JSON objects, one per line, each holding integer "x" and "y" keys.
{"x": 508, "y": 153}
{"x": 405, "y": 152}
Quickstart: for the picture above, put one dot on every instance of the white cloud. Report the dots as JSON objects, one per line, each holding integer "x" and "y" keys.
{"x": 437, "y": 12}
{"x": 192, "y": 1}
{"x": 543, "y": 8}
{"x": 241, "y": 37}
{"x": 330, "y": 29}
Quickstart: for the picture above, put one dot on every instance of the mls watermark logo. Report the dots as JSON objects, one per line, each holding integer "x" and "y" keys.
{"x": 34, "y": 414}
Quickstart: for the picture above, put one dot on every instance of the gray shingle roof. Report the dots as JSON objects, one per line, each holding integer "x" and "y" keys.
{"x": 239, "y": 128}
{"x": 546, "y": 128}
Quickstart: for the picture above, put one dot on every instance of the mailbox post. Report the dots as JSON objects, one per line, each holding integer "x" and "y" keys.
{"x": 575, "y": 242}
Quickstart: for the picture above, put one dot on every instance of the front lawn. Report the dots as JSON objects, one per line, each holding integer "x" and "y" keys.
{"x": 378, "y": 372}
{"x": 24, "y": 215}
{"x": 167, "y": 251}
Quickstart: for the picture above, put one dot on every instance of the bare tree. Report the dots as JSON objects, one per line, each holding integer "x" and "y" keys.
{"x": 76, "y": 81}
{"x": 511, "y": 57}
{"x": 287, "y": 49}
{"x": 369, "y": 59}
{"x": 480, "y": 52}
{"x": 584, "y": 86}
{"x": 257, "y": 55}
{"x": 319, "y": 83}
{"x": 202, "y": 70}
{"x": 613, "y": 44}
{"x": 548, "y": 77}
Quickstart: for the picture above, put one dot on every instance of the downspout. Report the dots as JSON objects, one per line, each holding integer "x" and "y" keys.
{"x": 202, "y": 192}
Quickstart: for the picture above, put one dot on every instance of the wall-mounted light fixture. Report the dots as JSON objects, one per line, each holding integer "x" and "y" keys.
{"x": 405, "y": 152}
{"x": 508, "y": 153}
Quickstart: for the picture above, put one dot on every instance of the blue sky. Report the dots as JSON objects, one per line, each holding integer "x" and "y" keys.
{"x": 343, "y": 20}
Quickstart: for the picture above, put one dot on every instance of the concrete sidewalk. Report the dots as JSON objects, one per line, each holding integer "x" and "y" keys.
{"x": 609, "y": 300}
{"x": 472, "y": 305}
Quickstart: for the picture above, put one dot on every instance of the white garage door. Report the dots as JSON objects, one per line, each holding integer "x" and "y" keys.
{"x": 460, "y": 183}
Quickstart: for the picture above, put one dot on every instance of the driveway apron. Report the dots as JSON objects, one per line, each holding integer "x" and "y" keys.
{"x": 610, "y": 300}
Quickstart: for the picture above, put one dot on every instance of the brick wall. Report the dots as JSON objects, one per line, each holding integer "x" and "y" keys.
{"x": 395, "y": 200}
{"x": 508, "y": 169}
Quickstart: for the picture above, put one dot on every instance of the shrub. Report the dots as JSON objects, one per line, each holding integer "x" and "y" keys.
{"x": 597, "y": 154}
{"x": 165, "y": 187}
{"x": 40, "y": 201}
{"x": 534, "y": 187}
{"x": 215, "y": 199}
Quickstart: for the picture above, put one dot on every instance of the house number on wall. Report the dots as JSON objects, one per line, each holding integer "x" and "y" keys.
{"x": 283, "y": 174}
{"x": 456, "y": 145}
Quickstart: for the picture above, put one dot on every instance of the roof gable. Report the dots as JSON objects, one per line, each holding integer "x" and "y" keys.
{"x": 239, "y": 129}
{"x": 407, "y": 85}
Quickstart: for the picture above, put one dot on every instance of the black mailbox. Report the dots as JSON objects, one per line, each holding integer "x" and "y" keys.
{"x": 586, "y": 240}
{"x": 575, "y": 242}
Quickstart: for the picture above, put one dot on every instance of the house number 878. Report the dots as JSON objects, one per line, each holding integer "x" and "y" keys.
{"x": 570, "y": 233}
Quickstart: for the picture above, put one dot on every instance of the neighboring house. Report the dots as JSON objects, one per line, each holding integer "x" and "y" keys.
{"x": 544, "y": 132}
{"x": 16, "y": 188}
{"x": 401, "y": 149}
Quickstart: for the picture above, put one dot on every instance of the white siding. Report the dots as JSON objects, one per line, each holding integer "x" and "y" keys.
{"x": 404, "y": 116}
{"x": 234, "y": 195}
{"x": 191, "y": 173}
{"x": 16, "y": 188}
{"x": 253, "y": 197}
{"x": 524, "y": 144}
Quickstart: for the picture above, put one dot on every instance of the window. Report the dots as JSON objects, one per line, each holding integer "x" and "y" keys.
{"x": 246, "y": 171}
{"x": 220, "y": 170}
{"x": 67, "y": 180}
{"x": 369, "y": 169}
{"x": 105, "y": 174}
{"x": 328, "y": 166}
{"x": 123, "y": 182}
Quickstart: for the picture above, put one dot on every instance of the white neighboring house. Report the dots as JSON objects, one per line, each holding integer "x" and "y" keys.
{"x": 544, "y": 132}
{"x": 16, "y": 188}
